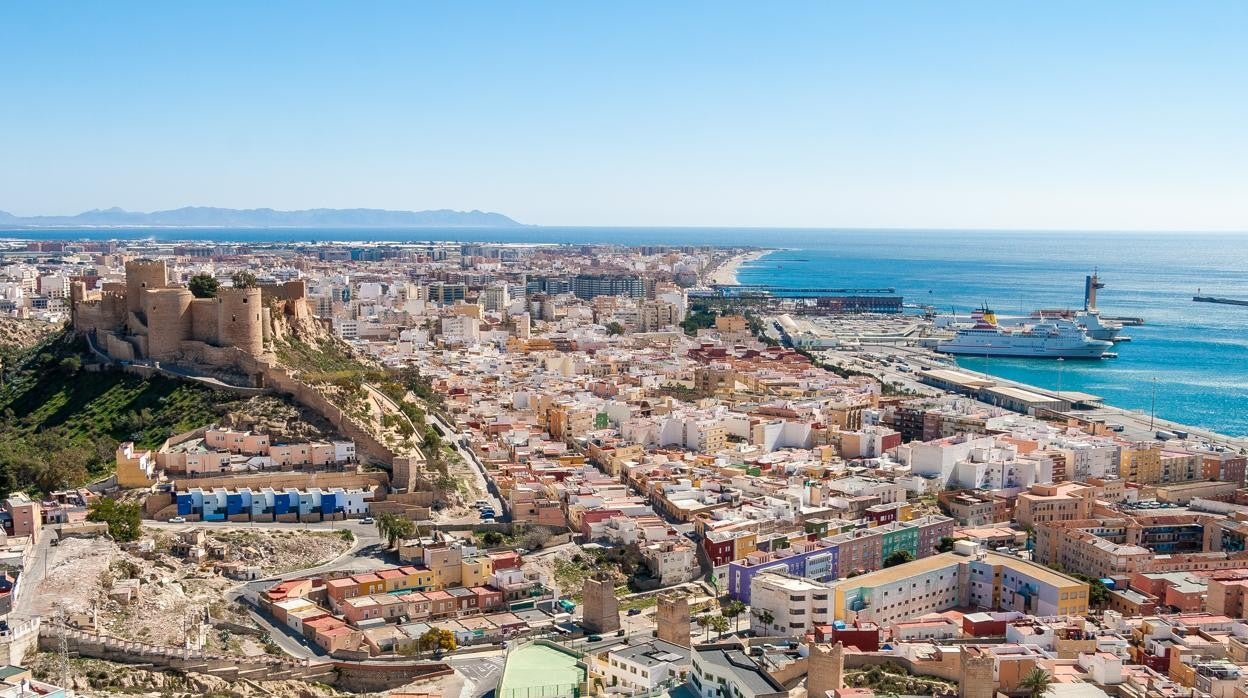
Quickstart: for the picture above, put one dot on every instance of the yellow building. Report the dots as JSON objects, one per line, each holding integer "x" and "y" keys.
{"x": 744, "y": 544}
{"x": 475, "y": 571}
{"x": 444, "y": 562}
{"x": 135, "y": 468}
{"x": 730, "y": 323}
{"x": 1141, "y": 463}
{"x": 418, "y": 579}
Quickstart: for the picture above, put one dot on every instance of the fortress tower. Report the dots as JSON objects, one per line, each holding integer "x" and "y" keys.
{"x": 140, "y": 275}
{"x": 168, "y": 312}
{"x": 977, "y": 674}
{"x": 239, "y": 319}
{"x": 826, "y": 670}
{"x": 602, "y": 610}
{"x": 672, "y": 616}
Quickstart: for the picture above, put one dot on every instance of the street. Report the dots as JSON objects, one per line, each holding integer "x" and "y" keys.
{"x": 484, "y": 484}
{"x": 32, "y": 577}
{"x": 481, "y": 672}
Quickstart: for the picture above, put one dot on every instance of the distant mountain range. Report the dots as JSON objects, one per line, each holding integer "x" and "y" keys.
{"x": 209, "y": 217}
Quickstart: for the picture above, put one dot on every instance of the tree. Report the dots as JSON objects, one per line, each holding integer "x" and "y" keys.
{"x": 720, "y": 625}
{"x": 615, "y": 328}
{"x": 437, "y": 639}
{"x": 733, "y": 610}
{"x": 394, "y": 528}
{"x": 1036, "y": 682}
{"x": 766, "y": 618}
{"x": 203, "y": 285}
{"x": 899, "y": 557}
{"x": 64, "y": 466}
{"x": 1098, "y": 593}
{"x": 704, "y": 621}
{"x": 70, "y": 365}
{"x": 432, "y": 440}
{"x": 122, "y": 518}
{"x": 244, "y": 279}
{"x": 492, "y": 539}
{"x": 945, "y": 544}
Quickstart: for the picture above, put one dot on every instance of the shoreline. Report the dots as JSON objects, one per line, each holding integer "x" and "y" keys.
{"x": 1140, "y": 426}
{"x": 726, "y": 273}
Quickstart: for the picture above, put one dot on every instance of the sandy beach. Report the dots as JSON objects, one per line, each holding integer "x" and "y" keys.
{"x": 726, "y": 273}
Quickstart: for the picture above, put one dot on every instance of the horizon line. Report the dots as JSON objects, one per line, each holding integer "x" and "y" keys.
{"x": 16, "y": 228}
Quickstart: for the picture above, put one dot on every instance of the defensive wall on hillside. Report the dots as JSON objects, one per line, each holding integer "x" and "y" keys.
{"x": 147, "y": 318}
{"x": 356, "y": 676}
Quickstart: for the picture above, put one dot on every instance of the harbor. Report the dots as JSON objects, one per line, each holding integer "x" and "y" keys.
{"x": 920, "y": 371}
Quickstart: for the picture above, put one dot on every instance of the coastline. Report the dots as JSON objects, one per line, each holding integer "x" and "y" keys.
{"x": 726, "y": 273}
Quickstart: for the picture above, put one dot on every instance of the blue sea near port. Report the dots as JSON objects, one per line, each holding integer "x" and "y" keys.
{"x": 1197, "y": 352}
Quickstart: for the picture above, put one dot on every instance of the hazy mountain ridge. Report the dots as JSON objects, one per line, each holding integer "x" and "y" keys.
{"x": 212, "y": 217}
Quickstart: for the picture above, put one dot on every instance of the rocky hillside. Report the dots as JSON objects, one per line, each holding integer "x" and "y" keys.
{"x": 17, "y": 335}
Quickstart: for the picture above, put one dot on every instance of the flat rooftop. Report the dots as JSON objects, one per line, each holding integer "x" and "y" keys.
{"x": 534, "y": 666}
{"x": 928, "y": 564}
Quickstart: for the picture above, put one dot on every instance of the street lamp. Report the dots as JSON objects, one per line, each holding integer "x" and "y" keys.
{"x": 1152, "y": 411}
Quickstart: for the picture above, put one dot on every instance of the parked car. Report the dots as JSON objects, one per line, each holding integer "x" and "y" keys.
{"x": 634, "y": 611}
{"x": 594, "y": 638}
{"x": 177, "y": 519}
{"x": 367, "y": 520}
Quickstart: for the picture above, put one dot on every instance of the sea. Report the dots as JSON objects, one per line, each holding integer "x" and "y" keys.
{"x": 1188, "y": 361}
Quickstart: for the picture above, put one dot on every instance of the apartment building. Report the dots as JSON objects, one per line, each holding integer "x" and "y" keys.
{"x": 795, "y": 605}
{"x": 966, "y": 577}
{"x": 645, "y": 666}
{"x": 724, "y": 670}
{"x": 1048, "y": 503}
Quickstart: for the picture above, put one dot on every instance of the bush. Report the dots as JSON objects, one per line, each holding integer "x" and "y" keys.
{"x": 203, "y": 285}
{"x": 123, "y": 518}
{"x": 492, "y": 539}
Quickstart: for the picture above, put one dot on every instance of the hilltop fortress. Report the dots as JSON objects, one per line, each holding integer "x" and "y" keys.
{"x": 149, "y": 318}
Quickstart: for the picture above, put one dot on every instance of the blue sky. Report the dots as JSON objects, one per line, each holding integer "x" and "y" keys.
{"x": 1078, "y": 115}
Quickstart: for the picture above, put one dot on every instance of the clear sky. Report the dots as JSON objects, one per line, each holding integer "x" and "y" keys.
{"x": 1089, "y": 115}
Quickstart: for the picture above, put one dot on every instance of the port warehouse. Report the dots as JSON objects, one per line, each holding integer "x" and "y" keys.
{"x": 1008, "y": 397}
{"x": 828, "y": 300}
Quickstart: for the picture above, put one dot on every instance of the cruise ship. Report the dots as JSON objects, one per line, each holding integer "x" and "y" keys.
{"x": 1056, "y": 338}
{"x": 1089, "y": 318}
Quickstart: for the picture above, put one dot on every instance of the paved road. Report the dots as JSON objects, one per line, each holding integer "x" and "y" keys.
{"x": 367, "y": 553}
{"x": 481, "y": 673}
{"x": 457, "y": 440}
{"x": 36, "y": 569}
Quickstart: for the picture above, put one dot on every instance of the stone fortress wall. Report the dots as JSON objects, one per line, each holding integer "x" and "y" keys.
{"x": 158, "y": 319}
{"x": 229, "y": 332}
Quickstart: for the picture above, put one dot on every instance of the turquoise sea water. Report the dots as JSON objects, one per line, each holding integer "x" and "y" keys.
{"x": 1197, "y": 352}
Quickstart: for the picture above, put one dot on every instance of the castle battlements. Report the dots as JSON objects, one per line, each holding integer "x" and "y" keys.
{"x": 148, "y": 317}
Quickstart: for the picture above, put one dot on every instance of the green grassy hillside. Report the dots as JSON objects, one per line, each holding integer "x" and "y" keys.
{"x": 60, "y": 424}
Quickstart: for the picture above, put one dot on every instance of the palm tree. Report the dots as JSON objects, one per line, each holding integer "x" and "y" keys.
{"x": 1036, "y": 682}
{"x": 383, "y": 523}
{"x": 733, "y": 610}
{"x": 704, "y": 620}
{"x": 766, "y": 618}
{"x": 720, "y": 624}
